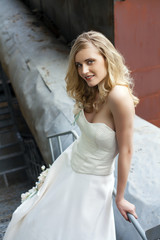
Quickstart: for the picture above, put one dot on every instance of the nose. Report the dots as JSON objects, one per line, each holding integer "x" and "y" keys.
{"x": 84, "y": 69}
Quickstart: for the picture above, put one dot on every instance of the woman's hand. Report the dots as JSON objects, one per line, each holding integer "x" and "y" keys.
{"x": 126, "y": 207}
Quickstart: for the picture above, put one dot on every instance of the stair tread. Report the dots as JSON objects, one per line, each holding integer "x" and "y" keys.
{"x": 11, "y": 155}
{"x": 6, "y": 123}
{"x": 9, "y": 144}
{"x": 8, "y": 130}
{"x": 3, "y": 98}
{"x": 4, "y": 110}
{"x": 13, "y": 169}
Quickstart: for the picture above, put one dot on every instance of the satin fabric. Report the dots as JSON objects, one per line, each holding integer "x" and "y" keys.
{"x": 75, "y": 201}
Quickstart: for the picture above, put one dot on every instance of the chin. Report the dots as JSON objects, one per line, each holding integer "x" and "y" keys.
{"x": 90, "y": 84}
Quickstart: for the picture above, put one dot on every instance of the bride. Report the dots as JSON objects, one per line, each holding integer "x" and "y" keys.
{"x": 74, "y": 202}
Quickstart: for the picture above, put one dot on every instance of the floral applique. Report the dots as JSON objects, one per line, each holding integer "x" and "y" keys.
{"x": 38, "y": 184}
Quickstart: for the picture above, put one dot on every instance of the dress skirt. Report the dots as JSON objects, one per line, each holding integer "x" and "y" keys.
{"x": 68, "y": 206}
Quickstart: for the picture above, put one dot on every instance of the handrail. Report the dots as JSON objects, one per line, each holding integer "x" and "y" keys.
{"x": 134, "y": 221}
{"x": 75, "y": 135}
{"x": 65, "y": 133}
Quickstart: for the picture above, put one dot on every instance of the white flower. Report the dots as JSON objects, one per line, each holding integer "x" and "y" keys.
{"x": 31, "y": 191}
{"x": 38, "y": 184}
{"x": 43, "y": 168}
{"x": 24, "y": 196}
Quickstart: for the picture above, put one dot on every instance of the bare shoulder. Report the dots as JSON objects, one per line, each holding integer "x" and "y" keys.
{"x": 120, "y": 97}
{"x": 119, "y": 93}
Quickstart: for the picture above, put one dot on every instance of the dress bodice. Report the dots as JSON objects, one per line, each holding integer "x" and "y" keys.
{"x": 95, "y": 149}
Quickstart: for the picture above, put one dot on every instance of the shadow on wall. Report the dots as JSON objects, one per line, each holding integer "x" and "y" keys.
{"x": 70, "y": 18}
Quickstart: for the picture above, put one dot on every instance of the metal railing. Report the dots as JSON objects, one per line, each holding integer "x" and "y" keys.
{"x": 134, "y": 221}
{"x": 152, "y": 234}
{"x": 58, "y": 136}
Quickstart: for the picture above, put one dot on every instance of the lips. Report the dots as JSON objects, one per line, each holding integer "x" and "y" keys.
{"x": 89, "y": 77}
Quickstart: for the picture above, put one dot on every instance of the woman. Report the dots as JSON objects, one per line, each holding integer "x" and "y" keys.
{"x": 75, "y": 200}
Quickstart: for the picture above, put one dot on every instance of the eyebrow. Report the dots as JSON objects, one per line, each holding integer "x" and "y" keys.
{"x": 86, "y": 60}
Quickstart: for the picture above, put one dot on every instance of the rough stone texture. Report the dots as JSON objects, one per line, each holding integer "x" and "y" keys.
{"x": 36, "y": 63}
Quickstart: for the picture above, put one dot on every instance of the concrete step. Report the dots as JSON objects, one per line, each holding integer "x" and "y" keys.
{"x": 8, "y": 129}
{"x": 9, "y": 145}
{"x": 11, "y": 155}
{"x": 3, "y": 98}
{"x": 8, "y": 137}
{"x": 6, "y": 123}
{"x": 4, "y": 110}
{"x": 13, "y": 170}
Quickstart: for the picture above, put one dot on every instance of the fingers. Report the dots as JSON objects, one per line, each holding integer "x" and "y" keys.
{"x": 133, "y": 212}
{"x": 126, "y": 207}
{"x": 135, "y": 215}
{"x": 124, "y": 214}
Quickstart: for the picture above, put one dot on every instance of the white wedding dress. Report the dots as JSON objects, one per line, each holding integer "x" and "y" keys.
{"x": 75, "y": 201}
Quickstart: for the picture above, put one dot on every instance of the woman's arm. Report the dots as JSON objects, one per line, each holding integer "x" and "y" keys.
{"x": 122, "y": 109}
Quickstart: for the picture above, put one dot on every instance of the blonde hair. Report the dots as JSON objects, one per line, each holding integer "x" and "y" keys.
{"x": 118, "y": 73}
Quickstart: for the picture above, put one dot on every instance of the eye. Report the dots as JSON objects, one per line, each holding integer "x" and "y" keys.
{"x": 89, "y": 62}
{"x": 78, "y": 65}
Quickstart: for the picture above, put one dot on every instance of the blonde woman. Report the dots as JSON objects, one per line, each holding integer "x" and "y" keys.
{"x": 75, "y": 199}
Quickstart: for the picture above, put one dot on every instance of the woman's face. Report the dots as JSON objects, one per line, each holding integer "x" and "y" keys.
{"x": 91, "y": 65}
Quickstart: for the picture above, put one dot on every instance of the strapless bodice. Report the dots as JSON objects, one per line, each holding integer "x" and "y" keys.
{"x": 96, "y": 148}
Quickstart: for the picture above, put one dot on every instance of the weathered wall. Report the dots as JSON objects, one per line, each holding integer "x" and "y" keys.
{"x": 71, "y": 17}
{"x": 35, "y": 62}
{"x": 137, "y": 27}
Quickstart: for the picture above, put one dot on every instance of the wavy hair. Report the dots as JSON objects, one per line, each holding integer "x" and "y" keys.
{"x": 118, "y": 73}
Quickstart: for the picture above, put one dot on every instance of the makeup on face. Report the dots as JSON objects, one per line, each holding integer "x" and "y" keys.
{"x": 91, "y": 65}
